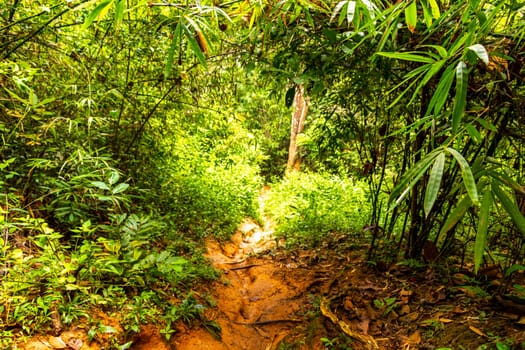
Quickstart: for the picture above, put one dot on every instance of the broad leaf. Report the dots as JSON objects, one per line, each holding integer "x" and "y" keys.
{"x": 468, "y": 177}
{"x": 483, "y": 224}
{"x": 121, "y": 187}
{"x": 460, "y": 100}
{"x": 101, "y": 185}
{"x": 114, "y": 176}
{"x": 434, "y": 182}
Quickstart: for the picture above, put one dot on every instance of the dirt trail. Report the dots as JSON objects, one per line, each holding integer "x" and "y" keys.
{"x": 259, "y": 299}
{"x": 267, "y": 298}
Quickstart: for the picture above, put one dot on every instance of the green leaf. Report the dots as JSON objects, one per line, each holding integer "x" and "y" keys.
{"x": 114, "y": 176}
{"x": 487, "y": 125}
{"x": 468, "y": 177}
{"x": 177, "y": 35}
{"x": 434, "y": 182}
{"x": 514, "y": 268}
{"x": 433, "y": 70}
{"x": 427, "y": 14}
{"x": 121, "y": 187}
{"x": 406, "y": 56}
{"x": 101, "y": 185}
{"x": 411, "y": 178}
{"x": 456, "y": 215}
{"x": 473, "y": 133}
{"x": 441, "y": 93}
{"x": 510, "y": 207}
{"x": 194, "y": 46}
{"x": 483, "y": 225}
{"x": 460, "y": 100}
{"x": 350, "y": 11}
{"x": 435, "y": 8}
{"x": 507, "y": 180}
{"x": 99, "y": 12}
{"x": 440, "y": 49}
{"x": 119, "y": 13}
{"x": 481, "y": 52}
{"x": 411, "y": 16}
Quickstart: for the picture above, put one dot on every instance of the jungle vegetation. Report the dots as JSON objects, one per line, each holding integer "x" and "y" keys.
{"x": 132, "y": 130}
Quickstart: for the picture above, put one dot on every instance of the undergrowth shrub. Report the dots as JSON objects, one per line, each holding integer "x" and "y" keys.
{"x": 306, "y": 206}
{"x": 215, "y": 201}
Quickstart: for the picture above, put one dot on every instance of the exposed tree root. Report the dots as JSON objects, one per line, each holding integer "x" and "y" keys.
{"x": 363, "y": 338}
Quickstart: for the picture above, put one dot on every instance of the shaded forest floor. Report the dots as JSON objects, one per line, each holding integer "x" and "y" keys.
{"x": 329, "y": 298}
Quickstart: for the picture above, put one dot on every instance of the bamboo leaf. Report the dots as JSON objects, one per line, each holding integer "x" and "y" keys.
{"x": 456, "y": 215}
{"x": 433, "y": 70}
{"x": 507, "y": 180}
{"x": 468, "y": 177}
{"x": 434, "y": 182}
{"x": 481, "y": 52}
{"x": 411, "y": 178}
{"x": 97, "y": 13}
{"x": 119, "y": 13}
{"x": 473, "y": 133}
{"x": 510, "y": 207}
{"x": 441, "y": 93}
{"x": 427, "y": 14}
{"x": 435, "y": 8}
{"x": 171, "y": 51}
{"x": 440, "y": 50}
{"x": 194, "y": 46}
{"x": 350, "y": 11}
{"x": 406, "y": 56}
{"x": 483, "y": 225}
{"x": 411, "y": 16}
{"x": 460, "y": 100}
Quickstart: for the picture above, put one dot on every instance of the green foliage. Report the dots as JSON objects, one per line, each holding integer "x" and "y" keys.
{"x": 305, "y": 207}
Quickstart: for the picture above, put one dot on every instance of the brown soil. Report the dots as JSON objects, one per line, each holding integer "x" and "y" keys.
{"x": 268, "y": 298}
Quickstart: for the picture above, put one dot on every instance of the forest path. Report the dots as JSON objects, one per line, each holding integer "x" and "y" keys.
{"x": 260, "y": 300}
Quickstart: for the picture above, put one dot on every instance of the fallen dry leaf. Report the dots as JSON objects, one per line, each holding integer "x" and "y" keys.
{"x": 404, "y": 310}
{"x": 413, "y": 339}
{"x": 446, "y": 320}
{"x": 56, "y": 343}
{"x": 75, "y": 343}
{"x": 477, "y": 331}
{"x": 405, "y": 296}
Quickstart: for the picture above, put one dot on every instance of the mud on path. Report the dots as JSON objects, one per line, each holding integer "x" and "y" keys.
{"x": 259, "y": 300}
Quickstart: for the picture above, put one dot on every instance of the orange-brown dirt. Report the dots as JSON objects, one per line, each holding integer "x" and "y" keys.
{"x": 329, "y": 298}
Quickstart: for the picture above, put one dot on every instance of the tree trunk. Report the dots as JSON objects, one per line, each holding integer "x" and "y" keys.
{"x": 300, "y": 103}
